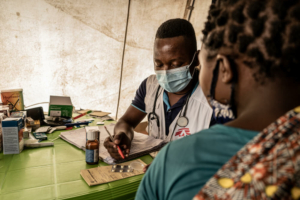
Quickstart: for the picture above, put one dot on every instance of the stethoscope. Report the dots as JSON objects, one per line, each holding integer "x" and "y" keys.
{"x": 182, "y": 120}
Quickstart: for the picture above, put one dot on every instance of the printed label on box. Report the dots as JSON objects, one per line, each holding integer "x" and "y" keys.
{"x": 11, "y": 140}
{"x": 55, "y": 113}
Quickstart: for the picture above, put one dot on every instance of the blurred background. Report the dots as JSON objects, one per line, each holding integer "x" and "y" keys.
{"x": 95, "y": 51}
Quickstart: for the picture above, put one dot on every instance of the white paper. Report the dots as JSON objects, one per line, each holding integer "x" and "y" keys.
{"x": 76, "y": 137}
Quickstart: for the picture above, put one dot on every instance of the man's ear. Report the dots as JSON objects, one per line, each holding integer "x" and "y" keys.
{"x": 225, "y": 70}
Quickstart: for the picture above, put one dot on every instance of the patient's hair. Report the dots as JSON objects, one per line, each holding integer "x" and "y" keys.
{"x": 264, "y": 33}
{"x": 178, "y": 27}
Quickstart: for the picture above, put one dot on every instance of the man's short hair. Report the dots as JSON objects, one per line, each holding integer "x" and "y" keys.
{"x": 178, "y": 27}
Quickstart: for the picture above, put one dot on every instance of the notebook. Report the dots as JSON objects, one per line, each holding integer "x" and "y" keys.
{"x": 141, "y": 145}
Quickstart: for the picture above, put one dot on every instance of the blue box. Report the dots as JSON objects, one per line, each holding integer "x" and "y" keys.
{"x": 13, "y": 142}
{"x": 19, "y": 114}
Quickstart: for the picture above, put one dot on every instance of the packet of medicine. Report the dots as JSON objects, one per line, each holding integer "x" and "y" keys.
{"x": 121, "y": 168}
{"x": 43, "y": 129}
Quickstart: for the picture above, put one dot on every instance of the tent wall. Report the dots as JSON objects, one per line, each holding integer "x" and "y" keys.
{"x": 78, "y": 48}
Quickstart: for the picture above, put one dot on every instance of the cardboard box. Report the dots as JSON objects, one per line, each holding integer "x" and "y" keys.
{"x": 19, "y": 114}
{"x": 60, "y": 106}
{"x": 5, "y": 110}
{"x": 13, "y": 98}
{"x": 13, "y": 142}
{"x": 35, "y": 126}
{"x": 2, "y": 117}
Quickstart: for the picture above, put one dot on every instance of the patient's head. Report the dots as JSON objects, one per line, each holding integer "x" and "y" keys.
{"x": 255, "y": 44}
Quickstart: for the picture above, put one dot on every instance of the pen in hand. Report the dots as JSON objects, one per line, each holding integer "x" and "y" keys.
{"x": 112, "y": 139}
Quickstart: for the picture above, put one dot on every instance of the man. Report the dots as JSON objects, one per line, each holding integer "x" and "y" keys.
{"x": 172, "y": 99}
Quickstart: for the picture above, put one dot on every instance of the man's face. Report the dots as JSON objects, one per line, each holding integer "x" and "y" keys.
{"x": 171, "y": 53}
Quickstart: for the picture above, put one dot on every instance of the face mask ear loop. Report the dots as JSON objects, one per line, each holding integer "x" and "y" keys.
{"x": 234, "y": 81}
{"x": 214, "y": 80}
{"x": 192, "y": 63}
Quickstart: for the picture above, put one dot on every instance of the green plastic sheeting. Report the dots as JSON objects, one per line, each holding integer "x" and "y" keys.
{"x": 53, "y": 173}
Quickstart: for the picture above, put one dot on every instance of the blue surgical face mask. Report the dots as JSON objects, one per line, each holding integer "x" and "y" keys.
{"x": 174, "y": 80}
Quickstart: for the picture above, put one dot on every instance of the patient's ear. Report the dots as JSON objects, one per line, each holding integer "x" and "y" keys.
{"x": 225, "y": 70}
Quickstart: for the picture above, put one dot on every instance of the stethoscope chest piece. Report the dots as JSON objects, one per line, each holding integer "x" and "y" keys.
{"x": 182, "y": 121}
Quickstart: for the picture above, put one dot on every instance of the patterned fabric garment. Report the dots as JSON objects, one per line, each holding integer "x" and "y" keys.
{"x": 268, "y": 167}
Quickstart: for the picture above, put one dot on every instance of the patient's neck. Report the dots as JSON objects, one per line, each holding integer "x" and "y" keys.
{"x": 258, "y": 107}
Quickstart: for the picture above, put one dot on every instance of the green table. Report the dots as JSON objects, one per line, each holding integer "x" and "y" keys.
{"x": 53, "y": 173}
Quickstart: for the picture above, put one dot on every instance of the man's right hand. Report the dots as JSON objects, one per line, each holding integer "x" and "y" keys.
{"x": 123, "y": 133}
{"x": 121, "y": 139}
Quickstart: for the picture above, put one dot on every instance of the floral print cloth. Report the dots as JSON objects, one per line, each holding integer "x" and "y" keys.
{"x": 268, "y": 167}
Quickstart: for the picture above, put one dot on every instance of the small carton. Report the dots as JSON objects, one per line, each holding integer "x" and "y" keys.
{"x": 26, "y": 132}
{"x": 36, "y": 125}
{"x": 19, "y": 114}
{"x": 13, "y": 142}
{"x": 5, "y": 110}
{"x": 60, "y": 106}
{"x": 2, "y": 116}
{"x": 30, "y": 121}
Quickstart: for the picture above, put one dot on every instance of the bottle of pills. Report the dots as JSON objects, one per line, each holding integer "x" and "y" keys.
{"x": 92, "y": 147}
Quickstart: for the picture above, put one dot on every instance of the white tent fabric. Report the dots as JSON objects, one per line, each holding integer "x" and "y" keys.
{"x": 75, "y": 47}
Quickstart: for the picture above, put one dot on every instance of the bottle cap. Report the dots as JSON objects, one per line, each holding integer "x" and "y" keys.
{"x": 93, "y": 135}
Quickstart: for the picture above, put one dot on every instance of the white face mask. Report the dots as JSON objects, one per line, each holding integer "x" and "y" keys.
{"x": 221, "y": 113}
{"x": 175, "y": 80}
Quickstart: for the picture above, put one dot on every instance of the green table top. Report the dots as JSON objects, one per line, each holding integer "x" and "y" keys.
{"x": 54, "y": 173}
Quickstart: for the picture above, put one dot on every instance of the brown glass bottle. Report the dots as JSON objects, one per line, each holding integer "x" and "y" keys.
{"x": 92, "y": 148}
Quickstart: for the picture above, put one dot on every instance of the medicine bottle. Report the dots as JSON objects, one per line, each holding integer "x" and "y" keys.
{"x": 92, "y": 148}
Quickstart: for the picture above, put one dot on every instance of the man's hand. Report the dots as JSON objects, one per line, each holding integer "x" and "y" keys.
{"x": 122, "y": 140}
{"x": 123, "y": 133}
{"x": 146, "y": 167}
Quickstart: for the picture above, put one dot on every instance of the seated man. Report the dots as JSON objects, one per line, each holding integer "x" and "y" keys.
{"x": 250, "y": 61}
{"x": 172, "y": 99}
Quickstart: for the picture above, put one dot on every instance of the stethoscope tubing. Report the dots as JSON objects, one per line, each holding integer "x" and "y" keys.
{"x": 157, "y": 118}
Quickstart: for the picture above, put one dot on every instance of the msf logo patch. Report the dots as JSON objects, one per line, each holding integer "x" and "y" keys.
{"x": 183, "y": 132}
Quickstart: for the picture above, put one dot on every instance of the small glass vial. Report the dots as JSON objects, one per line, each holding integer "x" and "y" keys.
{"x": 92, "y": 148}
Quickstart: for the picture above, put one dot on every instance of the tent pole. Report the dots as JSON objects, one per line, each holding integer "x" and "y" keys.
{"x": 121, "y": 74}
{"x": 191, "y": 8}
{"x": 188, "y": 9}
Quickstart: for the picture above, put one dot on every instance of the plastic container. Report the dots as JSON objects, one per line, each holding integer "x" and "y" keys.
{"x": 92, "y": 147}
{"x": 137, "y": 166}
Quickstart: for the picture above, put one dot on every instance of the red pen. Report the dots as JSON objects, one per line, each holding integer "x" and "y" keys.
{"x": 82, "y": 115}
{"x": 112, "y": 139}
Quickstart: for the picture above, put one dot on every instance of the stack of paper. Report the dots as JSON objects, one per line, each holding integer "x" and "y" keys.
{"x": 141, "y": 144}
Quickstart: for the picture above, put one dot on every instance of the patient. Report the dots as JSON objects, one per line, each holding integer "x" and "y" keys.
{"x": 250, "y": 61}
